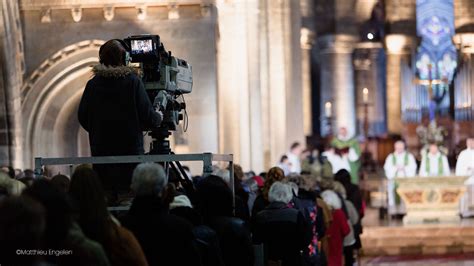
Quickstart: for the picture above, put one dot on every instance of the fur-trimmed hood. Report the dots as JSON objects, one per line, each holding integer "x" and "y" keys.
{"x": 112, "y": 71}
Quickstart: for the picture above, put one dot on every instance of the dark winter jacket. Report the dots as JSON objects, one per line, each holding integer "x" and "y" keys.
{"x": 115, "y": 109}
{"x": 234, "y": 239}
{"x": 166, "y": 239}
{"x": 314, "y": 218}
{"x": 284, "y": 233}
{"x": 207, "y": 240}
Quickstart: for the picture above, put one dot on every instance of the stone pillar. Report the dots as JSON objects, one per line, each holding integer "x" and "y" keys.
{"x": 398, "y": 49}
{"x": 12, "y": 64}
{"x": 307, "y": 40}
{"x": 284, "y": 77}
{"x": 370, "y": 64}
{"x": 233, "y": 80}
{"x": 337, "y": 79}
{"x": 259, "y": 80}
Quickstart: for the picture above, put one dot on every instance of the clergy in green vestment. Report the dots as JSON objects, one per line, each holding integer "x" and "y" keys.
{"x": 348, "y": 147}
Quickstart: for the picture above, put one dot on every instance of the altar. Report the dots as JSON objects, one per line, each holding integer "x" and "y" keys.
{"x": 431, "y": 199}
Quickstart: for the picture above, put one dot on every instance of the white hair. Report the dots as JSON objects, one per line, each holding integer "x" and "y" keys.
{"x": 223, "y": 173}
{"x": 280, "y": 192}
{"x": 148, "y": 179}
{"x": 331, "y": 199}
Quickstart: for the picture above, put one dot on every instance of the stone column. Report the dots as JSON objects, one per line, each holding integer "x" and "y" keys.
{"x": 397, "y": 48}
{"x": 285, "y": 113}
{"x": 259, "y": 80}
{"x": 307, "y": 41}
{"x": 12, "y": 65}
{"x": 307, "y": 37}
{"x": 337, "y": 79}
{"x": 370, "y": 64}
{"x": 233, "y": 81}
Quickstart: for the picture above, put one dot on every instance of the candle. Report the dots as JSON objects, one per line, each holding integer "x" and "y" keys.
{"x": 365, "y": 95}
{"x": 328, "y": 109}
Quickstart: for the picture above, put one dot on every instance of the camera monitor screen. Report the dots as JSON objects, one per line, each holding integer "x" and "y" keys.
{"x": 141, "y": 47}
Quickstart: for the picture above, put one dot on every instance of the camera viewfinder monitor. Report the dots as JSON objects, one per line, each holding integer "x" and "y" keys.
{"x": 143, "y": 48}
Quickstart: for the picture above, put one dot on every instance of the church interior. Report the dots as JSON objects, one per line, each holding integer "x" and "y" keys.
{"x": 371, "y": 99}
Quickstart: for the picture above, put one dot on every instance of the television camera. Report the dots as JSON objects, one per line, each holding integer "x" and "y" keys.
{"x": 166, "y": 79}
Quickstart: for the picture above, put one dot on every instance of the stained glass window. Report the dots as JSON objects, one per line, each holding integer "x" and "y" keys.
{"x": 436, "y": 56}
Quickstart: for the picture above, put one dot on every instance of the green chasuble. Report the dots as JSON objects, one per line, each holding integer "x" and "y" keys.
{"x": 355, "y": 166}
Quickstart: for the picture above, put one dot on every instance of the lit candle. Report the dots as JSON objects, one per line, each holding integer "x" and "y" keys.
{"x": 328, "y": 109}
{"x": 365, "y": 95}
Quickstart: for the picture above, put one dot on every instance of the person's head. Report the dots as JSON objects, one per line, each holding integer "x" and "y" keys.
{"x": 470, "y": 143}
{"x": 260, "y": 181}
{"x": 22, "y": 225}
{"x": 273, "y": 175}
{"x": 284, "y": 159}
{"x": 10, "y": 171}
{"x": 306, "y": 153}
{"x": 280, "y": 192}
{"x": 433, "y": 149}
{"x": 58, "y": 211}
{"x": 19, "y": 174}
{"x": 214, "y": 197}
{"x": 224, "y": 174}
{"x": 187, "y": 170}
{"x": 294, "y": 182}
{"x": 61, "y": 182}
{"x": 343, "y": 176}
{"x": 238, "y": 173}
{"x": 148, "y": 179}
{"x": 112, "y": 53}
{"x": 29, "y": 173}
{"x": 399, "y": 146}
{"x": 5, "y": 184}
{"x": 343, "y": 132}
{"x": 252, "y": 184}
{"x": 307, "y": 183}
{"x": 296, "y": 148}
{"x": 331, "y": 199}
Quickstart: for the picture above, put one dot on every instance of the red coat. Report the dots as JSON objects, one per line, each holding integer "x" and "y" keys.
{"x": 336, "y": 233}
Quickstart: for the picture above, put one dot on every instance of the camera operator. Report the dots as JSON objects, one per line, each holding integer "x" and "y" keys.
{"x": 114, "y": 110}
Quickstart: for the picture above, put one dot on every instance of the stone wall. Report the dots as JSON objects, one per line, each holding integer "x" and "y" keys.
{"x": 191, "y": 37}
{"x": 464, "y": 16}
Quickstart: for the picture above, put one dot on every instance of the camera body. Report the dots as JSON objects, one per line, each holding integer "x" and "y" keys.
{"x": 165, "y": 77}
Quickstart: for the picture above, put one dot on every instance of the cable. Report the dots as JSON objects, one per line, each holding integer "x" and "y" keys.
{"x": 185, "y": 118}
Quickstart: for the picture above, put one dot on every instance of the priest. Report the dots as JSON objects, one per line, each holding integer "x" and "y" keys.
{"x": 434, "y": 163}
{"x": 337, "y": 160}
{"x": 465, "y": 163}
{"x": 465, "y": 167}
{"x": 398, "y": 164}
{"x": 348, "y": 148}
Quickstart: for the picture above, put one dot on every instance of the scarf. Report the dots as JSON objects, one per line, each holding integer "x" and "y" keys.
{"x": 394, "y": 161}
{"x": 440, "y": 165}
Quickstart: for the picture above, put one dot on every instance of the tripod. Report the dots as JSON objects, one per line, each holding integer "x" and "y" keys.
{"x": 161, "y": 145}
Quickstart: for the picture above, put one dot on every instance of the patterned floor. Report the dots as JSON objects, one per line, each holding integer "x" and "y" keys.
{"x": 448, "y": 260}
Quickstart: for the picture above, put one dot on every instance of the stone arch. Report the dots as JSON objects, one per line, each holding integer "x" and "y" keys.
{"x": 50, "y": 98}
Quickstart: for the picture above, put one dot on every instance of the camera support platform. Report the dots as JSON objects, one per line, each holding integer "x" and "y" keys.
{"x": 206, "y": 158}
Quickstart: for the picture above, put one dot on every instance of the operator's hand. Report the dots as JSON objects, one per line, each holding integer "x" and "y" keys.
{"x": 160, "y": 113}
